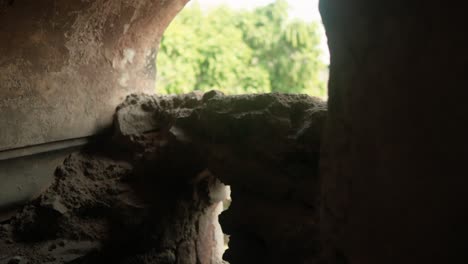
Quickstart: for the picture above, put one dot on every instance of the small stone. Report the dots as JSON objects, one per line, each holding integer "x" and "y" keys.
{"x": 211, "y": 94}
{"x": 52, "y": 247}
{"x": 15, "y": 260}
{"x": 6, "y": 230}
{"x": 166, "y": 257}
{"x": 61, "y": 171}
{"x": 55, "y": 204}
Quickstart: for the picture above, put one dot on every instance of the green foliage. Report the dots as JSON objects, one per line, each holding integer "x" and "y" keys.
{"x": 240, "y": 52}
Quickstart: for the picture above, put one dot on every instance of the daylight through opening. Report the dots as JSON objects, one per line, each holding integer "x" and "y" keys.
{"x": 240, "y": 47}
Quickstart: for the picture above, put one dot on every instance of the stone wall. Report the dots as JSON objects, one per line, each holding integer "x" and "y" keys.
{"x": 152, "y": 193}
{"x": 65, "y": 65}
{"x": 265, "y": 147}
{"x": 394, "y": 187}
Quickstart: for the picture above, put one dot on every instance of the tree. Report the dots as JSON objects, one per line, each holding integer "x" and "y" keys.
{"x": 240, "y": 52}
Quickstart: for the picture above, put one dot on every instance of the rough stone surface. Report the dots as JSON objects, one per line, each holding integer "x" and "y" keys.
{"x": 66, "y": 65}
{"x": 266, "y": 147}
{"x": 105, "y": 209}
{"x": 395, "y": 148}
{"x": 154, "y": 194}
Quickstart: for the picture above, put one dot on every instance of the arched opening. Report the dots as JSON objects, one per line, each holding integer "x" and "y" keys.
{"x": 153, "y": 191}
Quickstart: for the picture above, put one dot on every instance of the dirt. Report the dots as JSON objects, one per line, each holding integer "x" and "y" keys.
{"x": 109, "y": 210}
{"x": 72, "y": 216}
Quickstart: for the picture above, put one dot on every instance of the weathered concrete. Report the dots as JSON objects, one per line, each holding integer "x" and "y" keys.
{"x": 65, "y": 65}
{"x": 23, "y": 179}
{"x": 394, "y": 157}
{"x": 42, "y": 148}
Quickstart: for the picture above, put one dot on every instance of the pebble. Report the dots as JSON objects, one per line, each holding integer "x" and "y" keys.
{"x": 16, "y": 260}
{"x": 52, "y": 247}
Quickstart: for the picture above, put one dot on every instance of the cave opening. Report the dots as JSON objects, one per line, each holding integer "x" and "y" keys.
{"x": 212, "y": 242}
{"x": 151, "y": 180}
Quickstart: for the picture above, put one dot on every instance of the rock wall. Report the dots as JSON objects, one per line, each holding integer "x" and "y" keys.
{"x": 66, "y": 65}
{"x": 394, "y": 187}
{"x": 266, "y": 147}
{"x": 153, "y": 192}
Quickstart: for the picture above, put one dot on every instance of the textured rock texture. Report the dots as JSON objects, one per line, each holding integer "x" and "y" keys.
{"x": 66, "y": 65}
{"x": 266, "y": 147}
{"x": 105, "y": 208}
{"x": 394, "y": 154}
{"x": 155, "y": 193}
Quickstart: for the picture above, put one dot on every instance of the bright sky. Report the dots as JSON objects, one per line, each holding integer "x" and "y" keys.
{"x": 303, "y": 9}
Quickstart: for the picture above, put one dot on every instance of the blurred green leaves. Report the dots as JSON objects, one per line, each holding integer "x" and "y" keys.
{"x": 241, "y": 52}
